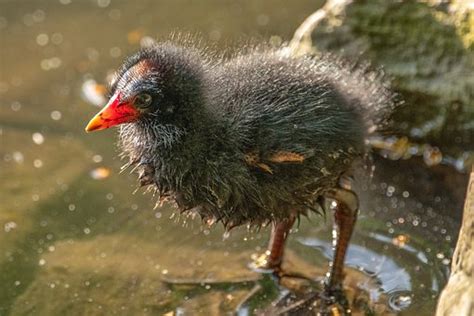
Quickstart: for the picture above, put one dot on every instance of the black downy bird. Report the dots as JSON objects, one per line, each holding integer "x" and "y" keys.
{"x": 258, "y": 138}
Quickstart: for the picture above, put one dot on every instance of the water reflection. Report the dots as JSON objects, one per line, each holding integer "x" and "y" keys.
{"x": 392, "y": 277}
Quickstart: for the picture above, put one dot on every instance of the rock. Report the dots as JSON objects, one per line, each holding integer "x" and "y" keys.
{"x": 457, "y": 297}
{"x": 426, "y": 47}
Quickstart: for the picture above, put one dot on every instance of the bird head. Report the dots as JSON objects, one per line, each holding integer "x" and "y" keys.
{"x": 161, "y": 83}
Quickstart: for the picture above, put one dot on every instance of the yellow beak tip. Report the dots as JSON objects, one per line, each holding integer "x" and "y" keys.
{"x": 95, "y": 124}
{"x": 90, "y": 128}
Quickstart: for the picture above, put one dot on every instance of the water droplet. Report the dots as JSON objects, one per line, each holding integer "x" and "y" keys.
{"x": 42, "y": 262}
{"x": 276, "y": 41}
{"x": 432, "y": 156}
{"x": 28, "y": 19}
{"x": 9, "y": 226}
{"x": 401, "y": 240}
{"x": 38, "y": 138}
{"x": 39, "y": 16}
{"x": 38, "y": 163}
{"x": 103, "y": 3}
{"x": 93, "y": 92}
{"x": 400, "y": 301}
{"x": 115, "y": 14}
{"x": 57, "y": 38}
{"x": 56, "y": 115}
{"x": 50, "y": 63}
{"x": 42, "y": 39}
{"x": 16, "y": 106}
{"x": 18, "y": 157}
{"x": 100, "y": 173}
{"x": 115, "y": 52}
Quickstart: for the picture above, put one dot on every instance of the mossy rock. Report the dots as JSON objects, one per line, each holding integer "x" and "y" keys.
{"x": 426, "y": 47}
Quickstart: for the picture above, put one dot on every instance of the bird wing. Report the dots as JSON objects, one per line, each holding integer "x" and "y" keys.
{"x": 263, "y": 161}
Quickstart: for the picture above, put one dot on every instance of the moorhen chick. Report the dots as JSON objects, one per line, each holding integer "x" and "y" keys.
{"x": 257, "y": 138}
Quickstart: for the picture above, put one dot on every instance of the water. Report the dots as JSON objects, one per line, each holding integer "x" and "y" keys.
{"x": 73, "y": 238}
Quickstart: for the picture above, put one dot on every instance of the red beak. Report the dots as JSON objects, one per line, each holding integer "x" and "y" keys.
{"x": 114, "y": 113}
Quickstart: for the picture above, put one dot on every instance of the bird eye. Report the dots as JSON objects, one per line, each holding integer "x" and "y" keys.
{"x": 142, "y": 100}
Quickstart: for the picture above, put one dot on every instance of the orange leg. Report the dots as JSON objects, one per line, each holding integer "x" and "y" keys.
{"x": 276, "y": 246}
{"x": 273, "y": 256}
{"x": 345, "y": 215}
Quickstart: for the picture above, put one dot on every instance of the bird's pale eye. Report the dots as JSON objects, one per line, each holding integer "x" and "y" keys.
{"x": 142, "y": 100}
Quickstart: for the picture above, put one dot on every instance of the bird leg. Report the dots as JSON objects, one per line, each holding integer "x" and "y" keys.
{"x": 345, "y": 215}
{"x": 332, "y": 299}
{"x": 276, "y": 246}
{"x": 273, "y": 257}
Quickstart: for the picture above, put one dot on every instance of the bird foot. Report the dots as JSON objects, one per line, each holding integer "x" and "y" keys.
{"x": 263, "y": 264}
{"x": 312, "y": 302}
{"x": 334, "y": 299}
{"x": 289, "y": 280}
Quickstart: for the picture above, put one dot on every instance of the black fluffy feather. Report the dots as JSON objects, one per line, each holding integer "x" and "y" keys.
{"x": 210, "y": 115}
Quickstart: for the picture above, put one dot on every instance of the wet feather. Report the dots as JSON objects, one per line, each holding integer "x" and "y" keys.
{"x": 253, "y": 138}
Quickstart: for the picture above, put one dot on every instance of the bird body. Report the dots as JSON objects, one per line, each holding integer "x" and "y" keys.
{"x": 260, "y": 137}
{"x": 250, "y": 139}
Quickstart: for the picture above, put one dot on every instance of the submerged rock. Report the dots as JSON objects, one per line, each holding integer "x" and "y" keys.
{"x": 427, "y": 48}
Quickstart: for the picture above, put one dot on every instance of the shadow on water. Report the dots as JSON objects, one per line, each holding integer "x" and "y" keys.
{"x": 73, "y": 242}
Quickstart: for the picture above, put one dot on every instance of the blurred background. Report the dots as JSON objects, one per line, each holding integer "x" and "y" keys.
{"x": 73, "y": 238}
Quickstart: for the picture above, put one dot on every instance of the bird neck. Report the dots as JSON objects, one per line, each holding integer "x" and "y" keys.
{"x": 189, "y": 142}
